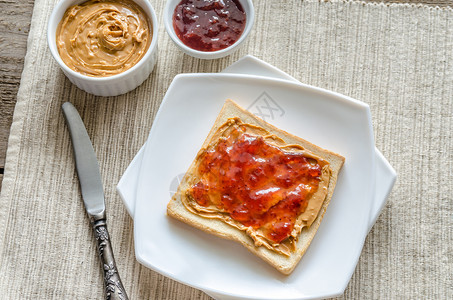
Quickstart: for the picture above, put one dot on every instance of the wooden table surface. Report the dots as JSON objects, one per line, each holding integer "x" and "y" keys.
{"x": 15, "y": 19}
{"x": 14, "y": 27}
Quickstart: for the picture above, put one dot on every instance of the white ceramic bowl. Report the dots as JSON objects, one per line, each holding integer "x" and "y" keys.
{"x": 247, "y": 5}
{"x": 112, "y": 85}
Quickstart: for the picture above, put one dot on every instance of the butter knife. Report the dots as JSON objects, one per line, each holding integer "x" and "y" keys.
{"x": 93, "y": 197}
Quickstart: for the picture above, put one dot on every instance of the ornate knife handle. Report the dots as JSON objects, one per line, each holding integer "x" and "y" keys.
{"x": 114, "y": 289}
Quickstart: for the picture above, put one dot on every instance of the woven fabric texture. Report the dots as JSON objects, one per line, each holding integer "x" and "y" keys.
{"x": 397, "y": 58}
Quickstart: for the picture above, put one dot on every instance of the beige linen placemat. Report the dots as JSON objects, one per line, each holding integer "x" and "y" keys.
{"x": 396, "y": 58}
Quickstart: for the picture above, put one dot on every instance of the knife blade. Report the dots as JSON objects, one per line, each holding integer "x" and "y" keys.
{"x": 93, "y": 197}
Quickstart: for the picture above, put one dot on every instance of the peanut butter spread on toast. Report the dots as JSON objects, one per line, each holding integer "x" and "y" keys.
{"x": 257, "y": 183}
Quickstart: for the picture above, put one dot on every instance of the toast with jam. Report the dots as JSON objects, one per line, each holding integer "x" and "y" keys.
{"x": 257, "y": 185}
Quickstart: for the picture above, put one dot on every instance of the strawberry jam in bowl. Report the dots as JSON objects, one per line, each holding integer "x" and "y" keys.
{"x": 209, "y": 25}
{"x": 208, "y": 29}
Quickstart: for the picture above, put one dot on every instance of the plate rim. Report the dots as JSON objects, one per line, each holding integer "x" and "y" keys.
{"x": 297, "y": 85}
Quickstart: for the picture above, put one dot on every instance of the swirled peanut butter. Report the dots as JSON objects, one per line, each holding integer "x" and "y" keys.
{"x": 103, "y": 38}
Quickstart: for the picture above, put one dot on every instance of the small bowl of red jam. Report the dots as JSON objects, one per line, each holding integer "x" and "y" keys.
{"x": 208, "y": 29}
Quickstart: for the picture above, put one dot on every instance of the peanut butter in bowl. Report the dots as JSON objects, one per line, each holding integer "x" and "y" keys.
{"x": 103, "y": 38}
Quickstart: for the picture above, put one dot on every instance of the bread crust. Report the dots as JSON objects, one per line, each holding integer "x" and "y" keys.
{"x": 283, "y": 263}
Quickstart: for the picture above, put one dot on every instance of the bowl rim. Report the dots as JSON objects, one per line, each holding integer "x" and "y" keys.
{"x": 168, "y": 23}
{"x": 55, "y": 18}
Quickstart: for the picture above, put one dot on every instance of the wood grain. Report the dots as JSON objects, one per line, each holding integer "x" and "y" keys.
{"x": 15, "y": 19}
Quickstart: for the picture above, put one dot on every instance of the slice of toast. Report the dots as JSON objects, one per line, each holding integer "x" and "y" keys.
{"x": 221, "y": 224}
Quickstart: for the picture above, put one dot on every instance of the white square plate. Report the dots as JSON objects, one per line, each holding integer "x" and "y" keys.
{"x": 225, "y": 268}
{"x": 385, "y": 174}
